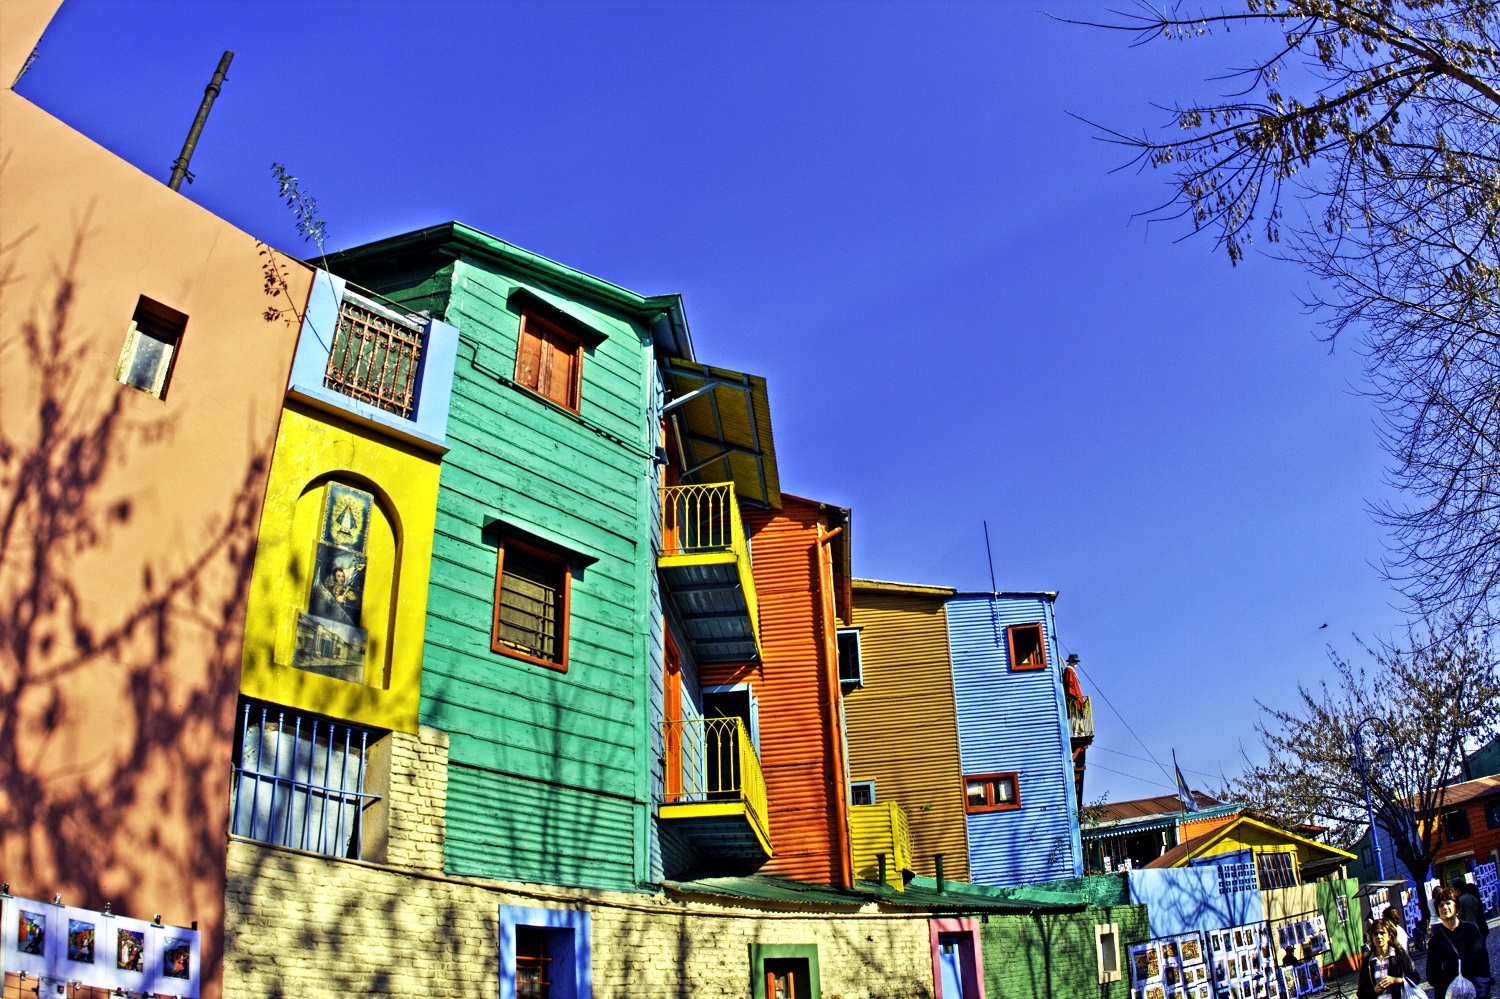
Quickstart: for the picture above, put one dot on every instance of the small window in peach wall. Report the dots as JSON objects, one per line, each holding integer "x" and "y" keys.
{"x": 1027, "y": 649}
{"x": 150, "y": 348}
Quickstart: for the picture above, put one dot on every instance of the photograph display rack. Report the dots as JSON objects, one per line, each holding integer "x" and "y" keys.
{"x": 65, "y": 944}
{"x": 1486, "y": 881}
{"x": 1243, "y": 963}
{"x": 1174, "y": 967}
{"x": 1300, "y": 941}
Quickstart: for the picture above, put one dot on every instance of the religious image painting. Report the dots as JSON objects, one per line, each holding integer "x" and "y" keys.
{"x": 329, "y": 638}
{"x": 31, "y": 934}
{"x": 131, "y": 952}
{"x": 1191, "y": 950}
{"x": 176, "y": 958}
{"x": 80, "y": 941}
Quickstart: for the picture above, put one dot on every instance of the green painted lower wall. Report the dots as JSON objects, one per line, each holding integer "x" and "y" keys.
{"x": 512, "y": 829}
{"x": 1043, "y": 956}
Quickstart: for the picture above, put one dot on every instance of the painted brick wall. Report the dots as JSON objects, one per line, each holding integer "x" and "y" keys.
{"x": 310, "y": 926}
{"x": 1016, "y": 961}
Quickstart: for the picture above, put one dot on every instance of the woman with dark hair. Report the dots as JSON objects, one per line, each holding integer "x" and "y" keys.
{"x": 1455, "y": 947}
{"x": 1386, "y": 966}
{"x": 1392, "y": 918}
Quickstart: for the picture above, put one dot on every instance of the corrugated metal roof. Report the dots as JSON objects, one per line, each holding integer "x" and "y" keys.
{"x": 921, "y": 895}
{"x": 1162, "y": 805}
{"x": 886, "y": 586}
{"x": 902, "y": 726}
{"x": 724, "y": 430}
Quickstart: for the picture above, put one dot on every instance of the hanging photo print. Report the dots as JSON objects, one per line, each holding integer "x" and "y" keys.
{"x": 330, "y": 640}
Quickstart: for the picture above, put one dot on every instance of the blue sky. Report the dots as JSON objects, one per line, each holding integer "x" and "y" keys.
{"x": 885, "y": 209}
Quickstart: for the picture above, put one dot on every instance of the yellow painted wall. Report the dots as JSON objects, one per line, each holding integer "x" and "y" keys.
{"x": 1249, "y": 837}
{"x": 902, "y": 725}
{"x": 311, "y": 450}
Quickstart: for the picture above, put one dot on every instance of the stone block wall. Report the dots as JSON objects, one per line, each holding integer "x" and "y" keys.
{"x": 304, "y": 925}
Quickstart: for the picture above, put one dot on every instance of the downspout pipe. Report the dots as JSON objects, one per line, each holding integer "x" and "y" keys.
{"x": 210, "y": 94}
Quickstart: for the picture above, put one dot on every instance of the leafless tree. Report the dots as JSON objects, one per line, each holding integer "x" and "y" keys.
{"x": 1434, "y": 698}
{"x": 1363, "y": 142}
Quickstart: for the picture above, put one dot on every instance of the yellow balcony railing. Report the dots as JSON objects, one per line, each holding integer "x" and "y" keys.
{"x": 712, "y": 762}
{"x": 1081, "y": 720}
{"x": 703, "y": 521}
{"x": 876, "y": 830}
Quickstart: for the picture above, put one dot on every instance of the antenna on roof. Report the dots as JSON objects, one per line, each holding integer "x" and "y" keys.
{"x": 180, "y": 167}
{"x": 987, "y": 554}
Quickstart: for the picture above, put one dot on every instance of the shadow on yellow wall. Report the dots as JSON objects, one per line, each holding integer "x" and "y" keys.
{"x": 316, "y": 452}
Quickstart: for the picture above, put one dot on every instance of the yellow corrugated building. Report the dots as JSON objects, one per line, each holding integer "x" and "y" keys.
{"x": 902, "y": 726}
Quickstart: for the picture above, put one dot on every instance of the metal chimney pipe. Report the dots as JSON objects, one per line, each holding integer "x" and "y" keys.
{"x": 942, "y": 882}
{"x": 881, "y": 859}
{"x": 180, "y": 168}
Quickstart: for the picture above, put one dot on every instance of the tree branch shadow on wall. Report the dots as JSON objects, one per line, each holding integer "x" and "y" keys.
{"x": 78, "y": 776}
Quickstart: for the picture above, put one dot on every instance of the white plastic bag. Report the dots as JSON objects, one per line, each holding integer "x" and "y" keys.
{"x": 1411, "y": 990}
{"x": 1461, "y": 988}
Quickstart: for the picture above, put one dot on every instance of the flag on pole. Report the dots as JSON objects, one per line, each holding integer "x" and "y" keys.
{"x": 1184, "y": 793}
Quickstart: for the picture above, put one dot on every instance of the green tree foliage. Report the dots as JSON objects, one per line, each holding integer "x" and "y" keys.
{"x": 1363, "y": 142}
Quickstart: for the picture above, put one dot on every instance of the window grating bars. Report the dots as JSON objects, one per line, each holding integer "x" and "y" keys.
{"x": 375, "y": 357}
{"x": 299, "y": 781}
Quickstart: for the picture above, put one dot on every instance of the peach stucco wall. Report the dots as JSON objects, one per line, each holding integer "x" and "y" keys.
{"x": 126, "y": 524}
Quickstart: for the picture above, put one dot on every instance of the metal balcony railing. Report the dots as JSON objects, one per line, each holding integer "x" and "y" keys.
{"x": 1081, "y": 720}
{"x": 376, "y": 356}
{"x": 705, "y": 520}
{"x": 712, "y": 760}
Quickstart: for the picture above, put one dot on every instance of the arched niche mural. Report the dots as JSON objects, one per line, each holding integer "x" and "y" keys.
{"x": 345, "y": 554}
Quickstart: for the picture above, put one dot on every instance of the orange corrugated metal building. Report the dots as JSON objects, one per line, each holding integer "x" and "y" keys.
{"x": 801, "y": 561}
{"x": 901, "y": 723}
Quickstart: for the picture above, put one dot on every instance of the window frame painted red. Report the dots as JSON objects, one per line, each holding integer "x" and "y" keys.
{"x": 1010, "y": 647}
{"x": 575, "y": 386}
{"x": 565, "y": 603}
{"x": 1014, "y": 776}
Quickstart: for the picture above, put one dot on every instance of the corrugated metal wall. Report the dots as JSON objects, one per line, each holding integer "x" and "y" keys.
{"x": 796, "y": 683}
{"x": 548, "y": 776}
{"x": 902, "y": 725}
{"x": 1014, "y": 721}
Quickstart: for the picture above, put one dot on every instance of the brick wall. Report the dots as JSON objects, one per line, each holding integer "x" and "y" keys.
{"x": 303, "y": 925}
{"x": 1016, "y": 953}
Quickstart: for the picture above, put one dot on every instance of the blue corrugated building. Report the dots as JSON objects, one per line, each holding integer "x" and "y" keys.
{"x": 1014, "y": 746}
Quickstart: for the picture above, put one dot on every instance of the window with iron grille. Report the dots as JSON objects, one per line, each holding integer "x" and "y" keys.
{"x": 375, "y": 357}
{"x": 1276, "y": 870}
{"x": 862, "y": 792}
{"x": 532, "y": 588}
{"x": 300, "y": 781}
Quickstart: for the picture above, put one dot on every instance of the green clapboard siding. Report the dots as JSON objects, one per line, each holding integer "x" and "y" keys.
{"x": 547, "y": 770}
{"x": 548, "y": 834}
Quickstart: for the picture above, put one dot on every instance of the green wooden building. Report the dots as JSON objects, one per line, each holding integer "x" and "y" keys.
{"x": 544, "y": 620}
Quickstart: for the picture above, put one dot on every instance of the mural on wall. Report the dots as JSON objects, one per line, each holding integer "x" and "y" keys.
{"x": 329, "y": 638}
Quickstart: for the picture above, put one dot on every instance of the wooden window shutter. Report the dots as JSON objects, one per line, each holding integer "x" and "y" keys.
{"x": 529, "y": 354}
